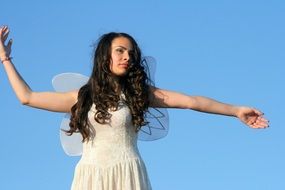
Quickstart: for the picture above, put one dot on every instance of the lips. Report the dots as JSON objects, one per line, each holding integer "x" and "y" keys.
{"x": 125, "y": 65}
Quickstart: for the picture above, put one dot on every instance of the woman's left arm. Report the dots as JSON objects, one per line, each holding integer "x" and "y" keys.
{"x": 170, "y": 99}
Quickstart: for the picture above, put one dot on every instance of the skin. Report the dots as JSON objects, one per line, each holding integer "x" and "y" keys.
{"x": 120, "y": 56}
{"x": 62, "y": 102}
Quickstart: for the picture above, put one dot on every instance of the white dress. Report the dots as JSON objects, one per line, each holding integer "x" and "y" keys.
{"x": 112, "y": 160}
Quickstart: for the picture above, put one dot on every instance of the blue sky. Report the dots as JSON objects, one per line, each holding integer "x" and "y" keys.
{"x": 232, "y": 51}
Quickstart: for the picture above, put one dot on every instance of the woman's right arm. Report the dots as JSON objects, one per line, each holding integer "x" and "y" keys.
{"x": 52, "y": 101}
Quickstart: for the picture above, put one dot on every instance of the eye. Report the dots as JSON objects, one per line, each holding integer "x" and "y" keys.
{"x": 120, "y": 50}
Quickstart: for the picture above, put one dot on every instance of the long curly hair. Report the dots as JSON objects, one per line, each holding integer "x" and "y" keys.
{"x": 100, "y": 89}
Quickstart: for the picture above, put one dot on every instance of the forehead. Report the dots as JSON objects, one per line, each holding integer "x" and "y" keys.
{"x": 122, "y": 42}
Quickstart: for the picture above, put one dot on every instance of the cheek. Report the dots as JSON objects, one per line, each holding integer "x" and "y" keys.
{"x": 115, "y": 58}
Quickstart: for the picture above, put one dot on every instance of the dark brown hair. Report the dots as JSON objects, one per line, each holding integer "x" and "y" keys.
{"x": 100, "y": 89}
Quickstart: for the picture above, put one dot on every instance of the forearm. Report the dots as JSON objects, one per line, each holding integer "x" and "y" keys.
{"x": 204, "y": 104}
{"x": 20, "y": 87}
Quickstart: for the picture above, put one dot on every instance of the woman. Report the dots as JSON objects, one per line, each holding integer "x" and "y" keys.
{"x": 109, "y": 110}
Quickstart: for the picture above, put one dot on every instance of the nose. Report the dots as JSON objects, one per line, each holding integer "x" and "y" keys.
{"x": 126, "y": 56}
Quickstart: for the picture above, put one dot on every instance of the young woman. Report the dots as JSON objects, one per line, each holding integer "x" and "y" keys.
{"x": 109, "y": 109}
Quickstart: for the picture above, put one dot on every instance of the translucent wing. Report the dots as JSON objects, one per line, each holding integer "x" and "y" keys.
{"x": 157, "y": 118}
{"x": 68, "y": 81}
{"x": 72, "y": 145}
{"x": 158, "y": 125}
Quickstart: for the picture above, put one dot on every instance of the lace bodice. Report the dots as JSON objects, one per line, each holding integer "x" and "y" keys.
{"x": 113, "y": 142}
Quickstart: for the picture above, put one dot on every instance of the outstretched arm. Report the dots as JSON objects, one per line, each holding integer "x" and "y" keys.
{"x": 170, "y": 99}
{"x": 52, "y": 101}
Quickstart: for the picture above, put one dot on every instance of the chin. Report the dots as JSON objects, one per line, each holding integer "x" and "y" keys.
{"x": 121, "y": 74}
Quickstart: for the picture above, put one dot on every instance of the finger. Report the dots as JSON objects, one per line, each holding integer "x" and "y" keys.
{"x": 262, "y": 119}
{"x": 255, "y": 126}
{"x": 260, "y": 124}
{"x": 9, "y": 45}
{"x": 4, "y": 28}
{"x": 5, "y": 34}
{"x": 1, "y": 32}
{"x": 252, "y": 120}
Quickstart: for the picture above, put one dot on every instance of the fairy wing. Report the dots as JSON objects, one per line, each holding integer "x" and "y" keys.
{"x": 72, "y": 145}
{"x": 157, "y": 127}
{"x": 157, "y": 118}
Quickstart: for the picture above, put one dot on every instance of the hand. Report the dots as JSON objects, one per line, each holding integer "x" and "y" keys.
{"x": 5, "y": 50}
{"x": 252, "y": 117}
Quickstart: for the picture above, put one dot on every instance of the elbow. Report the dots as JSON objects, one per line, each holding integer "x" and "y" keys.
{"x": 25, "y": 99}
{"x": 24, "y": 102}
{"x": 192, "y": 103}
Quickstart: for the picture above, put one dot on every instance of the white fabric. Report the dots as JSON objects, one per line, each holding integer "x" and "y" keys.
{"x": 111, "y": 161}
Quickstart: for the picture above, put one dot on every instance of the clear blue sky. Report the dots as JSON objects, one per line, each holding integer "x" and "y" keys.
{"x": 232, "y": 51}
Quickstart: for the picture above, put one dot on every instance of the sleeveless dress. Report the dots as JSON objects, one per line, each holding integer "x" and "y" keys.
{"x": 111, "y": 161}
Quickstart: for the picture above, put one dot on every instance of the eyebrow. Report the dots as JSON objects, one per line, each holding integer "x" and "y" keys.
{"x": 123, "y": 48}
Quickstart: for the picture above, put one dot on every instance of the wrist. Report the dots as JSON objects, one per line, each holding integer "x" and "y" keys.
{"x": 235, "y": 112}
{"x": 5, "y": 58}
{"x": 3, "y": 55}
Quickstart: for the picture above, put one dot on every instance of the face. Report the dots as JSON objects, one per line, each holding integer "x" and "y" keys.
{"x": 121, "y": 49}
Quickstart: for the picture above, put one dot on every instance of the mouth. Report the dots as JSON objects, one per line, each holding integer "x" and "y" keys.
{"x": 124, "y": 65}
